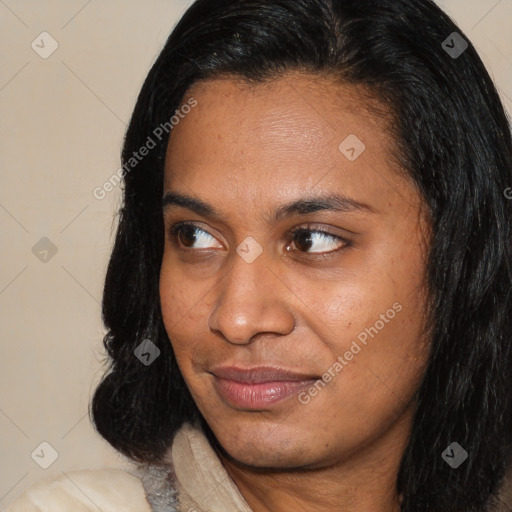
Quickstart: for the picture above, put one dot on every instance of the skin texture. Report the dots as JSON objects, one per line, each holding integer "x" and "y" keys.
{"x": 247, "y": 150}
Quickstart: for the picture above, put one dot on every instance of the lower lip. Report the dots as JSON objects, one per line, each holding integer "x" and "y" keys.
{"x": 258, "y": 396}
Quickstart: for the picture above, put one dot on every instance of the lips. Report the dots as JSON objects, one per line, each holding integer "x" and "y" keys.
{"x": 260, "y": 374}
{"x": 258, "y": 387}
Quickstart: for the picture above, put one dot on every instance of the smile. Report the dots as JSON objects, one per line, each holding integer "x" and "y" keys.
{"x": 258, "y": 388}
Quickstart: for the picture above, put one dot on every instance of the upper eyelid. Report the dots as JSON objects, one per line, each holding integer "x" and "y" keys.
{"x": 193, "y": 224}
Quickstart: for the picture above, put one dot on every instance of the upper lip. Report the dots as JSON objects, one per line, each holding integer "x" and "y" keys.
{"x": 260, "y": 374}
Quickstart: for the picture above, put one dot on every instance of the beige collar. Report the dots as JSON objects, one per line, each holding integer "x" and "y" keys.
{"x": 202, "y": 481}
{"x": 194, "y": 477}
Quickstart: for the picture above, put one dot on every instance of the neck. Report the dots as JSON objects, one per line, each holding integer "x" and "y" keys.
{"x": 364, "y": 481}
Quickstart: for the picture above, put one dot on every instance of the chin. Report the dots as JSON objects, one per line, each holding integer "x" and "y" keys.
{"x": 268, "y": 458}
{"x": 267, "y": 445}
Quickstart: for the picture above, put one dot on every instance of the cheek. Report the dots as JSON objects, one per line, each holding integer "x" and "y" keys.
{"x": 384, "y": 289}
{"x": 373, "y": 316}
{"x": 388, "y": 355}
{"x": 182, "y": 308}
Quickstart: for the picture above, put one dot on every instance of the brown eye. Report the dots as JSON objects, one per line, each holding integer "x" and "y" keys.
{"x": 187, "y": 234}
{"x": 305, "y": 238}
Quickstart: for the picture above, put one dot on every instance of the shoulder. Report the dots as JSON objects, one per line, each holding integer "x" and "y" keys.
{"x": 108, "y": 490}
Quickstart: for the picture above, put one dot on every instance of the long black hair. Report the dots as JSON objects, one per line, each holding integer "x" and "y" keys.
{"x": 452, "y": 137}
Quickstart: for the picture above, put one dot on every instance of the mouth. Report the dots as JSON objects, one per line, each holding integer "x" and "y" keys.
{"x": 258, "y": 387}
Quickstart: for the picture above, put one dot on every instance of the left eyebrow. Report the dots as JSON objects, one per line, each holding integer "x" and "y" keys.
{"x": 301, "y": 206}
{"x": 332, "y": 202}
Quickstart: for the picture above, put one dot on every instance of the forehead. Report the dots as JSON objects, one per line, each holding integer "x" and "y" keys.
{"x": 289, "y": 133}
{"x": 297, "y": 112}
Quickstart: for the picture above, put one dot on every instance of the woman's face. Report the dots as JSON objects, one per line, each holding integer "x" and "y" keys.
{"x": 300, "y": 349}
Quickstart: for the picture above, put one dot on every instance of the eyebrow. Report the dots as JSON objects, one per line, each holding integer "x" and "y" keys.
{"x": 302, "y": 206}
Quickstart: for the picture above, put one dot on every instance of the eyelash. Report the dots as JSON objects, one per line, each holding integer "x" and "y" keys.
{"x": 177, "y": 228}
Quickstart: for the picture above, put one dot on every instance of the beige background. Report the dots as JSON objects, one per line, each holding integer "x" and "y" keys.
{"x": 62, "y": 120}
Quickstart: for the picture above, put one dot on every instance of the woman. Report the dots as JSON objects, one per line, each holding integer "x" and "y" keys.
{"x": 309, "y": 296}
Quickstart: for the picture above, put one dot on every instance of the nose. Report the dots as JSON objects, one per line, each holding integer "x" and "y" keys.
{"x": 251, "y": 300}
